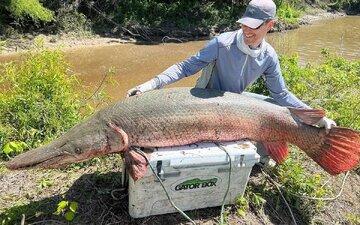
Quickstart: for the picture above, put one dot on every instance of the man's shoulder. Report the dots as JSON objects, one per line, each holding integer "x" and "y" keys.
{"x": 269, "y": 50}
{"x": 226, "y": 38}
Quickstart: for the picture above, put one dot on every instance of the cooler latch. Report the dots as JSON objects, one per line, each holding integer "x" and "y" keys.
{"x": 161, "y": 173}
{"x": 238, "y": 162}
{"x": 239, "y": 159}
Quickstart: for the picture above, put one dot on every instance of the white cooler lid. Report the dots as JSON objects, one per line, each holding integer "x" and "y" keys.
{"x": 205, "y": 153}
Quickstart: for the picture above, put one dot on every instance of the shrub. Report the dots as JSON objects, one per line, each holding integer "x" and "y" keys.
{"x": 288, "y": 13}
{"x": 185, "y": 14}
{"x": 332, "y": 85}
{"x": 31, "y": 8}
{"x": 70, "y": 21}
{"x": 40, "y": 101}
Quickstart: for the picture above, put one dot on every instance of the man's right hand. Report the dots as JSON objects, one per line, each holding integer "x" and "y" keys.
{"x": 147, "y": 86}
{"x": 133, "y": 91}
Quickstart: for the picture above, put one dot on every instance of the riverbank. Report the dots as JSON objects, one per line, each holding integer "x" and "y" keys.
{"x": 72, "y": 40}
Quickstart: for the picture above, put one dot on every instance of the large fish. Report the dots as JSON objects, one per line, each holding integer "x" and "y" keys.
{"x": 180, "y": 116}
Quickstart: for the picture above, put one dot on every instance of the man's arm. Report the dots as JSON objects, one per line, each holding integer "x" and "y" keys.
{"x": 180, "y": 70}
{"x": 277, "y": 88}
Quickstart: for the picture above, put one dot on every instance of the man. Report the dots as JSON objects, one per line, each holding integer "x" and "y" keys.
{"x": 234, "y": 60}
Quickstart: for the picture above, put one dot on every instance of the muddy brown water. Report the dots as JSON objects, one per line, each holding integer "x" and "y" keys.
{"x": 134, "y": 64}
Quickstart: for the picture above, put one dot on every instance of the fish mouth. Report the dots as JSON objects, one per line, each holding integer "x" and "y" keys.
{"x": 23, "y": 161}
{"x": 49, "y": 158}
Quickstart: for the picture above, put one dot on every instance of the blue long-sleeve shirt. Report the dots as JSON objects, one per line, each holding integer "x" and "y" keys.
{"x": 234, "y": 70}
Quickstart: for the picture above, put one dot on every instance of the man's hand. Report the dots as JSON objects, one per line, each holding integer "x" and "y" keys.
{"x": 147, "y": 86}
{"x": 326, "y": 123}
{"x": 133, "y": 91}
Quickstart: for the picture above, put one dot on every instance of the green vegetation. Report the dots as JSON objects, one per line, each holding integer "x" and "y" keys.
{"x": 353, "y": 219}
{"x": 242, "y": 206}
{"x": 332, "y": 85}
{"x": 14, "y": 215}
{"x": 143, "y": 18}
{"x": 351, "y": 6}
{"x": 185, "y": 15}
{"x": 13, "y": 148}
{"x": 23, "y": 16}
{"x": 39, "y": 103}
{"x": 289, "y": 12}
{"x": 21, "y": 9}
{"x": 297, "y": 185}
{"x": 253, "y": 198}
{"x": 67, "y": 209}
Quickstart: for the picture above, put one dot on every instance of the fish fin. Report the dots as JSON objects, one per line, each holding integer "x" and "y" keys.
{"x": 339, "y": 152}
{"x": 123, "y": 137}
{"x": 135, "y": 164}
{"x": 308, "y": 116}
{"x": 278, "y": 151}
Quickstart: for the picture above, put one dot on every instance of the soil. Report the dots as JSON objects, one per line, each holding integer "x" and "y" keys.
{"x": 96, "y": 187}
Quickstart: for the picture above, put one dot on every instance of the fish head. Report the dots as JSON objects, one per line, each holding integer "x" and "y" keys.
{"x": 84, "y": 141}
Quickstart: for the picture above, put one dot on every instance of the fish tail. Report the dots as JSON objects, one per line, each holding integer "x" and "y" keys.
{"x": 339, "y": 152}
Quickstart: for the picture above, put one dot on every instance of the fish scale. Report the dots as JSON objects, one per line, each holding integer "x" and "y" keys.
{"x": 199, "y": 115}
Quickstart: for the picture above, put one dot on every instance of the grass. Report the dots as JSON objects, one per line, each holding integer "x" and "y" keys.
{"x": 353, "y": 218}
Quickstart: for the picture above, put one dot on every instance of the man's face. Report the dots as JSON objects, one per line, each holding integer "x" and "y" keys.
{"x": 253, "y": 37}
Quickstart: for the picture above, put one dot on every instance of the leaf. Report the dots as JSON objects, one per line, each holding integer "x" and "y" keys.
{"x": 45, "y": 183}
{"x": 74, "y": 206}
{"x": 61, "y": 207}
{"x": 14, "y": 147}
{"x": 63, "y": 204}
{"x": 7, "y": 150}
{"x": 241, "y": 213}
{"x": 69, "y": 216}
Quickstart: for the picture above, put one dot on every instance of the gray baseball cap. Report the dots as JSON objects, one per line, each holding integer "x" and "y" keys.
{"x": 257, "y": 12}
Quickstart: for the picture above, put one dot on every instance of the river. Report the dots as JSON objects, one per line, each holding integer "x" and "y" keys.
{"x": 133, "y": 64}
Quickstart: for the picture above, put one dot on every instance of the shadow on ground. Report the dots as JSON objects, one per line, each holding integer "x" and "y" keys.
{"x": 101, "y": 200}
{"x": 98, "y": 204}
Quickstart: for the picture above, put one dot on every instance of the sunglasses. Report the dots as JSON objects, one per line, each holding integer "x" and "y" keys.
{"x": 256, "y": 28}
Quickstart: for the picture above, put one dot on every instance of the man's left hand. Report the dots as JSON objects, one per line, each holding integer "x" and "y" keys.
{"x": 326, "y": 123}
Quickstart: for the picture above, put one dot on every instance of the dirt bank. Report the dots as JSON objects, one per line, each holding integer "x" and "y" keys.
{"x": 64, "y": 41}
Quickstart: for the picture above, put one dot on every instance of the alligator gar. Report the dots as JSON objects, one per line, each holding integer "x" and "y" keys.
{"x": 180, "y": 116}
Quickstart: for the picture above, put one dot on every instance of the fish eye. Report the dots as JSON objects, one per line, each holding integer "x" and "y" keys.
{"x": 78, "y": 150}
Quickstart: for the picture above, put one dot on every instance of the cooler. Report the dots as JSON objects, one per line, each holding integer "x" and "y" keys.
{"x": 195, "y": 176}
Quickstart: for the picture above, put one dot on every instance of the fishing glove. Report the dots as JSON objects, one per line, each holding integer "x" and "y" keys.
{"x": 327, "y": 123}
{"x": 147, "y": 86}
